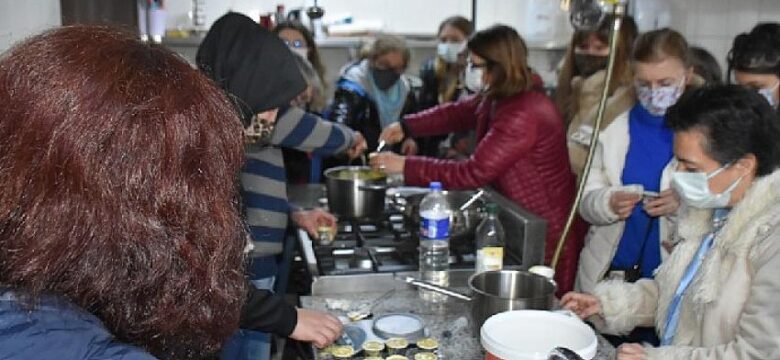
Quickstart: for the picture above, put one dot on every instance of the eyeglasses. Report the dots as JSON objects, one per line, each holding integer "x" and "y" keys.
{"x": 471, "y": 65}
{"x": 295, "y": 44}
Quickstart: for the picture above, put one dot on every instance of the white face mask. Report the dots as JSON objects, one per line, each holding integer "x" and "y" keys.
{"x": 472, "y": 78}
{"x": 694, "y": 189}
{"x": 769, "y": 94}
{"x": 449, "y": 51}
{"x": 658, "y": 100}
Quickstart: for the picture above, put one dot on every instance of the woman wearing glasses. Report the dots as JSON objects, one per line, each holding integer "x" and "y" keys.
{"x": 521, "y": 149}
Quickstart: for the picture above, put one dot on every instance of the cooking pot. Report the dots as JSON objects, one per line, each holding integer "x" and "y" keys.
{"x": 493, "y": 292}
{"x": 356, "y": 192}
{"x": 462, "y": 222}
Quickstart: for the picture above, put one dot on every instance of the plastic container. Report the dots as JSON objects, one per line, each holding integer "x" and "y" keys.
{"x": 533, "y": 334}
{"x": 435, "y": 215}
{"x": 490, "y": 238}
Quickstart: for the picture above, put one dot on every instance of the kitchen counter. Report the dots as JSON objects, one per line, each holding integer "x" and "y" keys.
{"x": 448, "y": 322}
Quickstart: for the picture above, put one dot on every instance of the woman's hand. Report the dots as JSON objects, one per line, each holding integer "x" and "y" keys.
{"x": 409, "y": 147}
{"x": 622, "y": 203}
{"x": 316, "y": 327}
{"x": 666, "y": 204}
{"x": 310, "y": 220}
{"x": 392, "y": 134}
{"x": 584, "y": 305}
{"x": 388, "y": 162}
{"x": 359, "y": 146}
{"x": 631, "y": 351}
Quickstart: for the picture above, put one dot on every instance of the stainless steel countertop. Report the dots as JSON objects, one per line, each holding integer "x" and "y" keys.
{"x": 448, "y": 322}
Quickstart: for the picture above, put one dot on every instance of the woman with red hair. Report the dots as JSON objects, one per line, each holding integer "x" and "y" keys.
{"x": 120, "y": 234}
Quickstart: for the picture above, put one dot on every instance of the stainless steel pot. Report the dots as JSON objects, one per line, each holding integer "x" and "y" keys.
{"x": 356, "y": 192}
{"x": 462, "y": 223}
{"x": 493, "y": 292}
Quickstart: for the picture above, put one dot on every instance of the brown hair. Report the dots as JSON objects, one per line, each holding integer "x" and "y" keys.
{"x": 446, "y": 89}
{"x": 658, "y": 45}
{"x": 118, "y": 167}
{"x": 507, "y": 60}
{"x": 622, "y": 75}
{"x": 313, "y": 54}
{"x": 385, "y": 43}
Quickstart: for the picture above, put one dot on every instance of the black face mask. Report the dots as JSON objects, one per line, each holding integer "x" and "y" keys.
{"x": 384, "y": 78}
{"x": 587, "y": 65}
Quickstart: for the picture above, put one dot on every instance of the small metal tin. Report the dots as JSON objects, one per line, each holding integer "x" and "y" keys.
{"x": 374, "y": 358}
{"x": 428, "y": 344}
{"x": 425, "y": 356}
{"x": 343, "y": 352}
{"x": 373, "y": 347}
{"x": 396, "y": 345}
{"x": 396, "y": 357}
{"x": 324, "y": 235}
{"x": 408, "y": 326}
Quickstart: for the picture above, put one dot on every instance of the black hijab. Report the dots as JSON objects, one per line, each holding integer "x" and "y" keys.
{"x": 250, "y": 63}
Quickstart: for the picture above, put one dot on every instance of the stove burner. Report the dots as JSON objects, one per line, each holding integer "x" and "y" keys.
{"x": 385, "y": 245}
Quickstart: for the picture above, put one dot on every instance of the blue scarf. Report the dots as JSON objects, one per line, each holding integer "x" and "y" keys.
{"x": 649, "y": 151}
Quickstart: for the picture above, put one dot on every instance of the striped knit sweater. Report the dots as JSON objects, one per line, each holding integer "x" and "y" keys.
{"x": 263, "y": 180}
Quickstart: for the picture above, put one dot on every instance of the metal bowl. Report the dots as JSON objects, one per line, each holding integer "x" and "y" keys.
{"x": 462, "y": 223}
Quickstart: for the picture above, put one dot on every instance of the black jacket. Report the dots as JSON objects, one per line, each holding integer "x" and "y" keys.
{"x": 267, "y": 312}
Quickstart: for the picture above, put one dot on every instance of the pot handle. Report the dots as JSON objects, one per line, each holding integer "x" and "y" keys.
{"x": 372, "y": 187}
{"x": 436, "y": 288}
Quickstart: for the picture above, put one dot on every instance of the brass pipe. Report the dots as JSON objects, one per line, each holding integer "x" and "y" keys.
{"x": 619, "y": 10}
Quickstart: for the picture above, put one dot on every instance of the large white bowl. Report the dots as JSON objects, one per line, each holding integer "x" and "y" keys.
{"x": 533, "y": 334}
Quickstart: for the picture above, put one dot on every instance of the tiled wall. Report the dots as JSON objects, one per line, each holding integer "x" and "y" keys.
{"x": 713, "y": 24}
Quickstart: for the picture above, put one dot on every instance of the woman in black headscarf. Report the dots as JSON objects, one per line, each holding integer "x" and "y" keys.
{"x": 260, "y": 73}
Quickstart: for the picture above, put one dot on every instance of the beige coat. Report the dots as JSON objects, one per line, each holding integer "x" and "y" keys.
{"x": 732, "y": 308}
{"x": 587, "y": 93}
{"x": 606, "y": 230}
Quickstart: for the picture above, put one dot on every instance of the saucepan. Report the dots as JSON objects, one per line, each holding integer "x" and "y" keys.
{"x": 464, "y": 219}
{"x": 493, "y": 292}
{"x": 356, "y": 192}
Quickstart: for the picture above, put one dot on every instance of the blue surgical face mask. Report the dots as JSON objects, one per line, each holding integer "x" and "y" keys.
{"x": 694, "y": 189}
{"x": 449, "y": 51}
{"x": 769, "y": 94}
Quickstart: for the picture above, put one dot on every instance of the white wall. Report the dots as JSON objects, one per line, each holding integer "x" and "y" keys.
{"x": 713, "y": 24}
{"x": 20, "y": 19}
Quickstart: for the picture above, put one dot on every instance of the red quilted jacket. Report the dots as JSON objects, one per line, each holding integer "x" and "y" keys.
{"x": 521, "y": 152}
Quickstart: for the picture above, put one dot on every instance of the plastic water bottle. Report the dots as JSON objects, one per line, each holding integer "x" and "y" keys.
{"x": 434, "y": 241}
{"x": 490, "y": 241}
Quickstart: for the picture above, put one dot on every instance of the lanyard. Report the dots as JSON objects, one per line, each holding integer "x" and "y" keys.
{"x": 673, "y": 316}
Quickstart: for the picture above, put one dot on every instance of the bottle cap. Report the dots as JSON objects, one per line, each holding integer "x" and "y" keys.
{"x": 435, "y": 185}
{"x": 545, "y": 271}
{"x": 492, "y": 208}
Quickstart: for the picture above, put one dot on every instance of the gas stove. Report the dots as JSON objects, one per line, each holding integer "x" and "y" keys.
{"x": 388, "y": 244}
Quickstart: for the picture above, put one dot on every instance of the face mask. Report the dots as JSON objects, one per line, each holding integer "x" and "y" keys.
{"x": 657, "y": 101}
{"x": 303, "y": 52}
{"x": 259, "y": 131}
{"x": 769, "y": 94}
{"x": 694, "y": 189}
{"x": 384, "y": 78}
{"x": 449, "y": 51}
{"x": 472, "y": 78}
{"x": 588, "y": 65}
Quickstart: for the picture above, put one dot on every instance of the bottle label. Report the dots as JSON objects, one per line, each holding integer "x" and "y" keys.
{"x": 435, "y": 229}
{"x": 490, "y": 258}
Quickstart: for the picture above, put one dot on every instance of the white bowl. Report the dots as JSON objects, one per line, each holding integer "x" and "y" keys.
{"x": 533, "y": 334}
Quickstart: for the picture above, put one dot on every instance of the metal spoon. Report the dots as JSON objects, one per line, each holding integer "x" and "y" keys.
{"x": 366, "y": 311}
{"x": 381, "y": 145}
{"x": 472, "y": 200}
